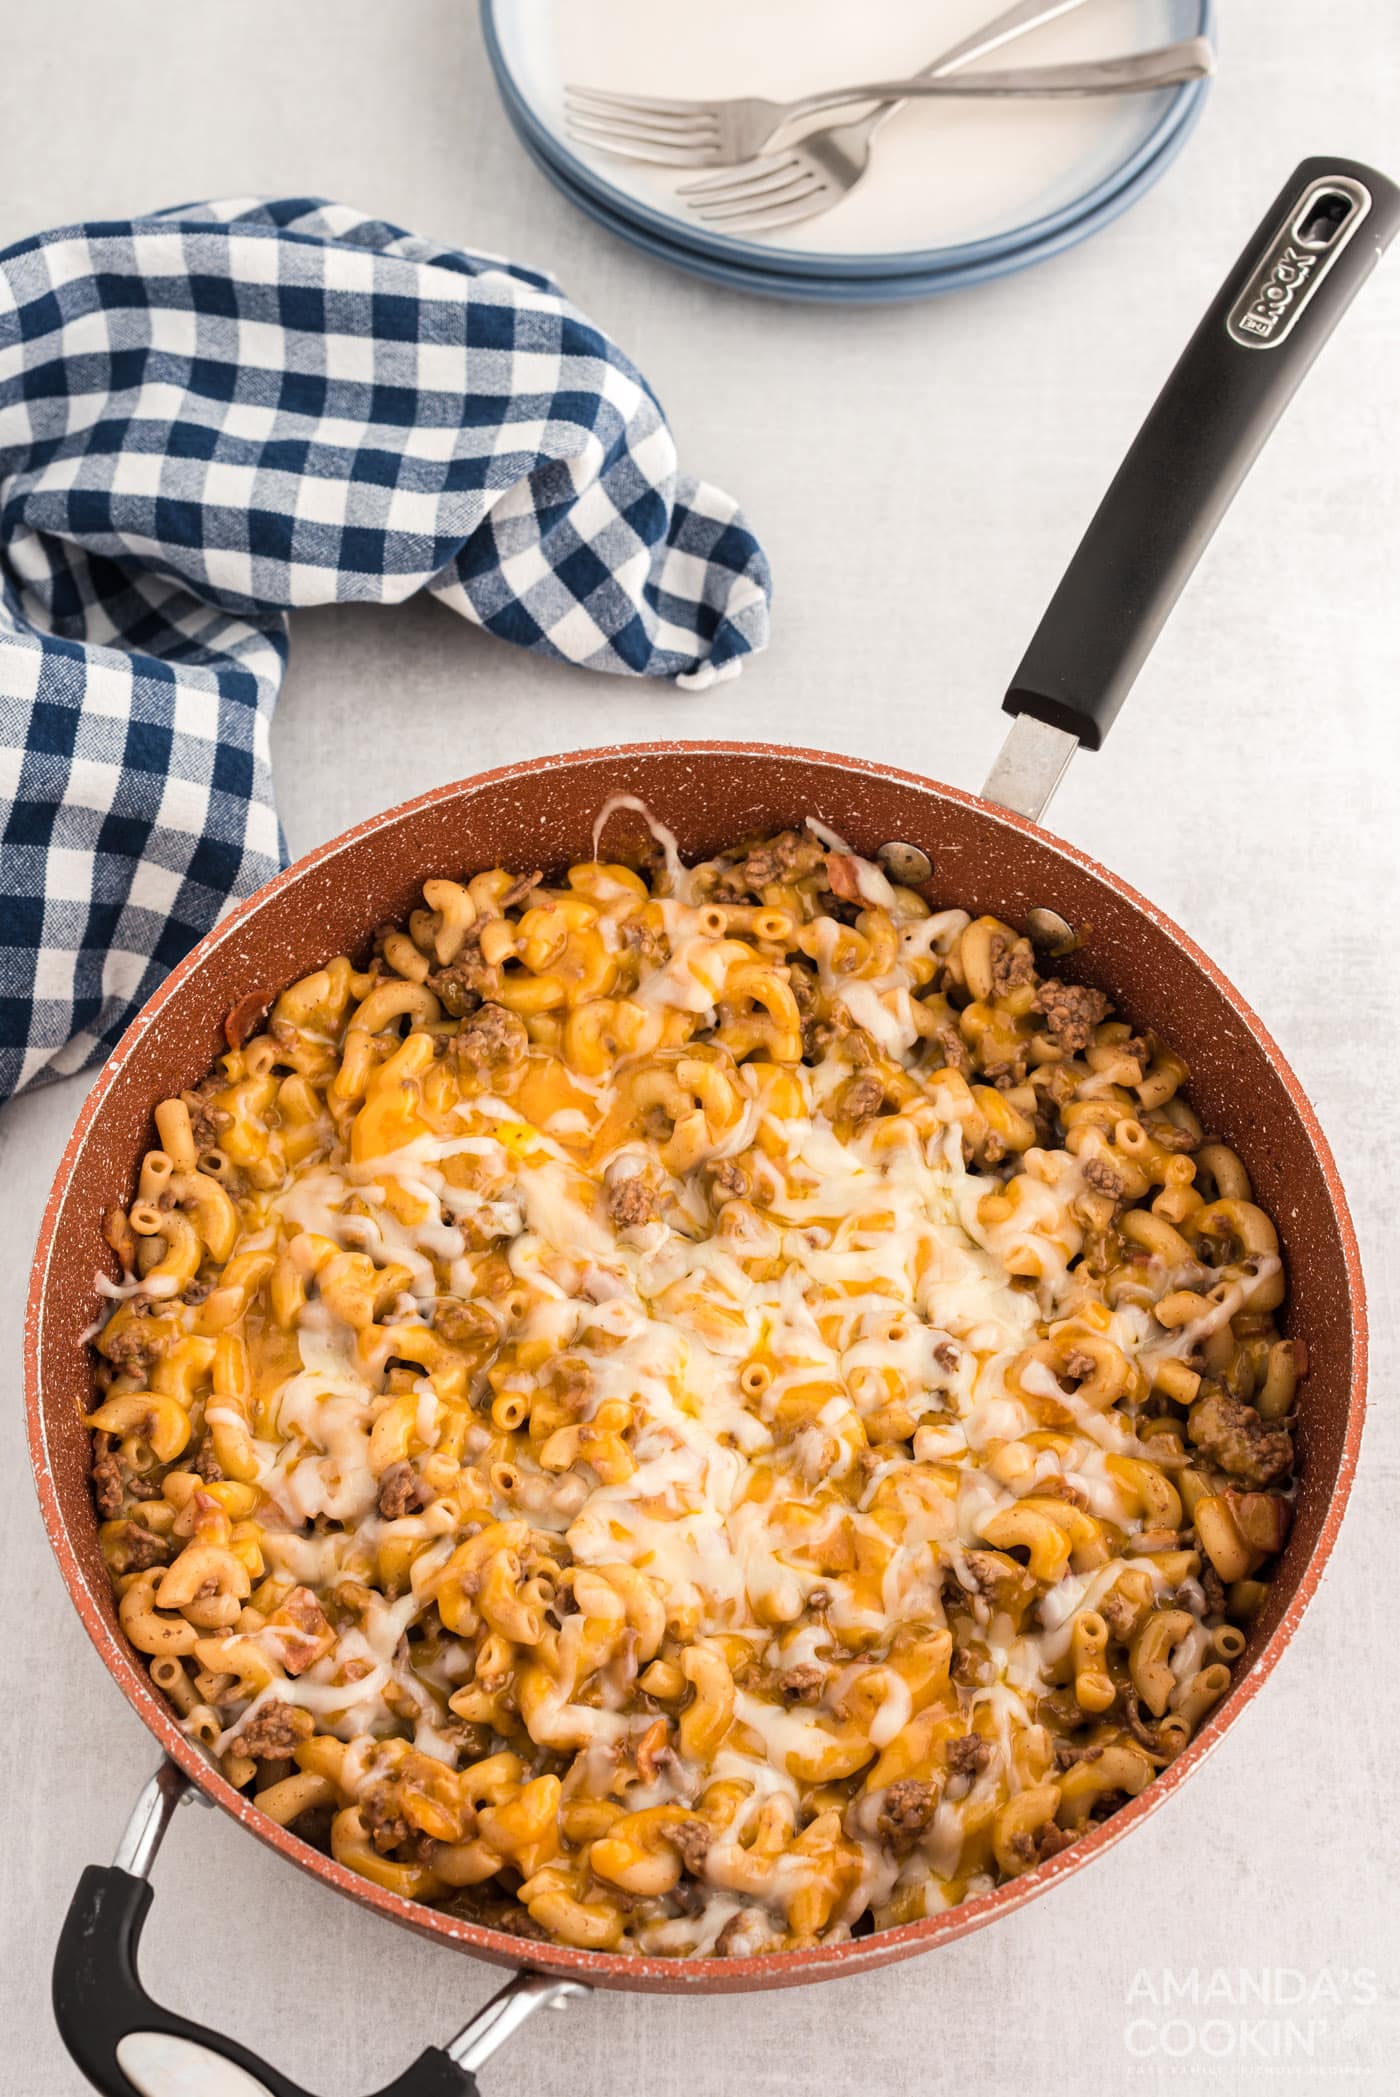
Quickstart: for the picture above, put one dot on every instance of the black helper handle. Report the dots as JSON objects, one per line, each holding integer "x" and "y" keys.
{"x": 129, "y": 2046}
{"x": 1317, "y": 245}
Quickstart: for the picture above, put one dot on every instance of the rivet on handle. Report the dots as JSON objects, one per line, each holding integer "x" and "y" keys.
{"x": 905, "y": 865}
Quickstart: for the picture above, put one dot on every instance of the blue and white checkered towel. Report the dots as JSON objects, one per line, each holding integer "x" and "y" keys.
{"x": 218, "y": 413}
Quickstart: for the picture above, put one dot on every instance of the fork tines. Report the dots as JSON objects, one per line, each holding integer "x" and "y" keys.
{"x": 763, "y": 193}
{"x": 677, "y": 134}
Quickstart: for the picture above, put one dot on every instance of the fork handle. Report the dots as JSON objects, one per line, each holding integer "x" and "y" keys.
{"x": 1137, "y": 73}
{"x": 1005, "y": 28}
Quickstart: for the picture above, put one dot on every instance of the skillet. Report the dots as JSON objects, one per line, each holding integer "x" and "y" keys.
{"x": 1296, "y": 277}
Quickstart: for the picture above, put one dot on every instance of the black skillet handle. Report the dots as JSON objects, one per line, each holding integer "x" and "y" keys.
{"x": 129, "y": 2046}
{"x": 1319, "y": 242}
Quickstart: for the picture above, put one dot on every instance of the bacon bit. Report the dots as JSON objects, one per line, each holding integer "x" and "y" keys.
{"x": 844, "y": 876}
{"x": 119, "y": 1235}
{"x": 303, "y": 1634}
{"x": 244, "y": 1016}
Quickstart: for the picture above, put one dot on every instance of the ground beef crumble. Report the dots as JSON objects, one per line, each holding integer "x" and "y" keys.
{"x": 1072, "y": 1011}
{"x": 727, "y": 1182}
{"x": 803, "y": 1685}
{"x": 492, "y": 1039}
{"x": 691, "y": 1840}
{"x": 144, "y": 1548}
{"x": 107, "y": 1485}
{"x": 1033, "y": 1846}
{"x": 1169, "y": 1136}
{"x": 465, "y": 1325}
{"x": 401, "y": 1492}
{"x": 465, "y": 982}
{"x": 1105, "y": 1178}
{"x": 1061, "y": 1489}
{"x": 954, "y": 1049}
{"x": 968, "y": 1755}
{"x": 207, "y": 1464}
{"x": 383, "y": 1823}
{"x": 131, "y": 1350}
{"x": 1119, "y": 1614}
{"x": 274, "y": 1731}
{"x": 907, "y": 1810}
{"x": 632, "y": 1202}
{"x": 786, "y": 857}
{"x": 207, "y": 1122}
{"x": 1068, "y": 1752}
{"x": 970, "y": 1669}
{"x": 1013, "y": 965}
{"x": 1242, "y": 1443}
{"x": 862, "y": 1098}
{"x": 499, "y": 1913}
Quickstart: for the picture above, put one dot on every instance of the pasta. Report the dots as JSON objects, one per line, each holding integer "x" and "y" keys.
{"x": 697, "y": 1411}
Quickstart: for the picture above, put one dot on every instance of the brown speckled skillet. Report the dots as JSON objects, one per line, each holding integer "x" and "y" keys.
{"x": 1229, "y": 387}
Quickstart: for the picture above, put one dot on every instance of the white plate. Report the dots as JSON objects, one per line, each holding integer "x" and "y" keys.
{"x": 947, "y": 176}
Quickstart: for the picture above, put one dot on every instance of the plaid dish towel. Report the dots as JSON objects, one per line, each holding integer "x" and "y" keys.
{"x": 213, "y": 415}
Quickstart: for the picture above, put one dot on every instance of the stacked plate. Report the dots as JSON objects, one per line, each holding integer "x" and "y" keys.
{"x": 959, "y": 190}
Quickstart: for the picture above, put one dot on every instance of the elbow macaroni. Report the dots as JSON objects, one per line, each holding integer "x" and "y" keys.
{"x": 692, "y": 1414}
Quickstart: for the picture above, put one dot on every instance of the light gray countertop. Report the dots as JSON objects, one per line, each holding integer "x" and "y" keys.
{"x": 919, "y": 476}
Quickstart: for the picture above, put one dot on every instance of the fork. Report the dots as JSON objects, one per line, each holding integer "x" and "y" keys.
{"x": 741, "y": 128}
{"x": 811, "y": 177}
{"x": 646, "y": 131}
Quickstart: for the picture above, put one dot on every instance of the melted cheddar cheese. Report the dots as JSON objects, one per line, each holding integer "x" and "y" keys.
{"x": 693, "y": 1413}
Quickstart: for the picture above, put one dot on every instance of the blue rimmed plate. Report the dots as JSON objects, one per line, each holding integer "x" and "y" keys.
{"x": 851, "y": 290}
{"x": 957, "y": 187}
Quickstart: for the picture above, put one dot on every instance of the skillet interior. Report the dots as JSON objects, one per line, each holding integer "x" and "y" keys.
{"x": 710, "y": 794}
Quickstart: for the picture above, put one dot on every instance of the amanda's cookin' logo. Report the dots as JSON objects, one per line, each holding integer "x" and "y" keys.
{"x": 1272, "y": 299}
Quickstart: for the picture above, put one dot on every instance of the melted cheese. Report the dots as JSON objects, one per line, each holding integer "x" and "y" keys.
{"x": 816, "y": 1388}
